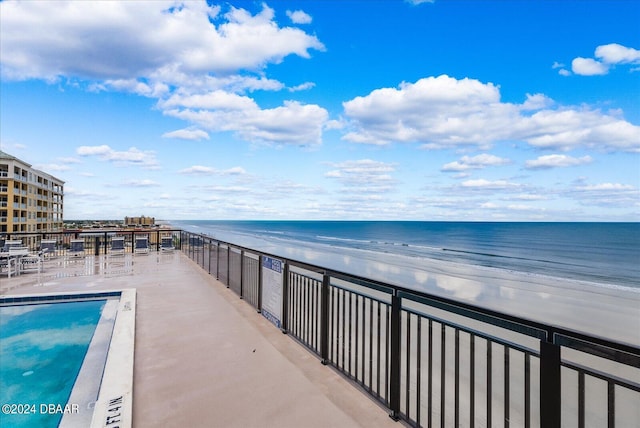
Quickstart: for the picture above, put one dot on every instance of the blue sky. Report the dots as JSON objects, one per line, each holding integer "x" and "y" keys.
{"x": 389, "y": 110}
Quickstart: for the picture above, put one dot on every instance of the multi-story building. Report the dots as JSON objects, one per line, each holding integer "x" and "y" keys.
{"x": 139, "y": 221}
{"x": 31, "y": 201}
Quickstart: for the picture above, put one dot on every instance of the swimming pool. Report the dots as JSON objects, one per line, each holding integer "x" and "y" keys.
{"x": 55, "y": 358}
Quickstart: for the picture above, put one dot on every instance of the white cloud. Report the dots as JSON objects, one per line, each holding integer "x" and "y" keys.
{"x": 556, "y": 161}
{"x": 474, "y": 162}
{"x": 141, "y": 183}
{"x": 482, "y": 184}
{"x": 536, "y": 102}
{"x": 417, "y": 2}
{"x": 52, "y": 167}
{"x": 206, "y": 170}
{"x": 614, "y": 53}
{"x": 72, "y": 38}
{"x": 292, "y": 123}
{"x": 363, "y": 176}
{"x": 609, "y": 195}
{"x": 443, "y": 112}
{"x": 133, "y": 156}
{"x": 588, "y": 67}
{"x": 564, "y": 72}
{"x": 199, "y": 61}
{"x": 302, "y": 87}
{"x": 299, "y": 17}
{"x": 607, "y": 56}
{"x": 187, "y": 134}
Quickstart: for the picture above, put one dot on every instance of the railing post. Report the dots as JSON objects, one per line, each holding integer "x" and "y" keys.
{"x": 394, "y": 364}
{"x": 550, "y": 384}
{"x": 228, "y": 265}
{"x": 260, "y": 283}
{"x": 285, "y": 297}
{"x": 324, "y": 319}
{"x": 96, "y": 249}
{"x": 241, "y": 276}
{"x": 217, "y": 259}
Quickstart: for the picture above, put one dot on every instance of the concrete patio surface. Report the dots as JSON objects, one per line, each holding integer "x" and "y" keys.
{"x": 204, "y": 357}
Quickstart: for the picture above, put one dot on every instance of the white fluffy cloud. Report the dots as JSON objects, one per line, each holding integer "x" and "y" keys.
{"x": 207, "y": 170}
{"x": 607, "y": 57}
{"x": 443, "y": 112}
{"x": 187, "y": 134}
{"x": 363, "y": 176}
{"x": 72, "y": 38}
{"x": 475, "y": 162}
{"x": 556, "y": 161}
{"x": 132, "y": 156}
{"x": 199, "y": 61}
{"x": 588, "y": 67}
{"x": 299, "y": 17}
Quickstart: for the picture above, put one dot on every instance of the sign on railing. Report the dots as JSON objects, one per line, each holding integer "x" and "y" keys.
{"x": 272, "y": 290}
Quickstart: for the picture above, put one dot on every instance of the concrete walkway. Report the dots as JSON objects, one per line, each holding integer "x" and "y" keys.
{"x": 204, "y": 357}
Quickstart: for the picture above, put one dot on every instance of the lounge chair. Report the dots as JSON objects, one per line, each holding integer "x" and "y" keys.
{"x": 166, "y": 244}
{"x": 11, "y": 243}
{"x": 8, "y": 265}
{"x": 142, "y": 245}
{"x": 117, "y": 246}
{"x": 48, "y": 247}
{"x": 76, "y": 248}
{"x": 32, "y": 261}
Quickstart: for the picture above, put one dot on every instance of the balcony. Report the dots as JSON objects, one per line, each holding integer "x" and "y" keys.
{"x": 423, "y": 359}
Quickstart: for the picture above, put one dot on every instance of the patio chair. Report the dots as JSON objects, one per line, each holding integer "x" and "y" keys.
{"x": 48, "y": 247}
{"x": 142, "y": 245}
{"x": 166, "y": 244}
{"x": 8, "y": 265}
{"x": 31, "y": 262}
{"x": 11, "y": 243}
{"x": 117, "y": 246}
{"x": 76, "y": 248}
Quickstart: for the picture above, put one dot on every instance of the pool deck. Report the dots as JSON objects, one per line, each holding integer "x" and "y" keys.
{"x": 204, "y": 357}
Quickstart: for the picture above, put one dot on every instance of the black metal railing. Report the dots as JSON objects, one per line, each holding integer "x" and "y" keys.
{"x": 433, "y": 361}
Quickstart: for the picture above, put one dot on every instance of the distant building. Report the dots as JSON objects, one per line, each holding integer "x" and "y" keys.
{"x": 30, "y": 200}
{"x": 139, "y": 221}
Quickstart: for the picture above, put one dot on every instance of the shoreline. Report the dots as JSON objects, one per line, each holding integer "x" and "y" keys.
{"x": 611, "y": 312}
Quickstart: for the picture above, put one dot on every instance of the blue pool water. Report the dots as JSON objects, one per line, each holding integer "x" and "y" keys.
{"x": 42, "y": 347}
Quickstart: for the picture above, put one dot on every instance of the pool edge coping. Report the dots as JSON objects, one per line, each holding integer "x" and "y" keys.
{"x": 115, "y": 399}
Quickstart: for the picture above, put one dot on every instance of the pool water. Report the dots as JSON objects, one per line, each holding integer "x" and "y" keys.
{"x": 42, "y": 348}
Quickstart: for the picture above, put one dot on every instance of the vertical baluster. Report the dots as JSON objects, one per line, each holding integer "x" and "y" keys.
{"x": 430, "y": 374}
{"x": 349, "y": 349}
{"x": 489, "y": 376}
{"x": 371, "y": 346}
{"x": 418, "y": 366}
{"x": 472, "y": 380}
{"x": 507, "y": 402}
{"x": 456, "y": 399}
{"x": 581, "y": 409}
{"x": 356, "y": 337}
{"x": 443, "y": 336}
{"x": 611, "y": 404}
{"x": 527, "y": 390}
{"x": 408, "y": 368}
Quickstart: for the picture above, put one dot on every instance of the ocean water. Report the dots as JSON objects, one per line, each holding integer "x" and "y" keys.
{"x": 600, "y": 253}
